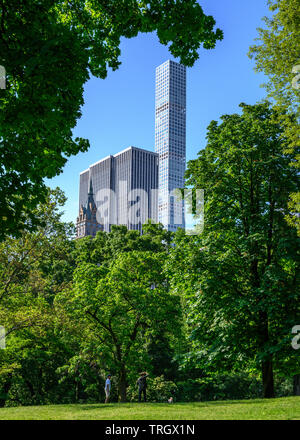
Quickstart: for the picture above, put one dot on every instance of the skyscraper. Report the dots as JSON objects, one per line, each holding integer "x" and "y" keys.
{"x": 125, "y": 187}
{"x": 170, "y": 141}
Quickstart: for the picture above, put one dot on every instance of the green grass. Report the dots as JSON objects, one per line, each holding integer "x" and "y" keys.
{"x": 261, "y": 409}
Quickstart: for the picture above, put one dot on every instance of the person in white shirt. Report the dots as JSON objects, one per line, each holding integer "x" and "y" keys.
{"x": 107, "y": 388}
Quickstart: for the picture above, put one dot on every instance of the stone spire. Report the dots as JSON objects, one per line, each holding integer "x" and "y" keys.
{"x": 87, "y": 223}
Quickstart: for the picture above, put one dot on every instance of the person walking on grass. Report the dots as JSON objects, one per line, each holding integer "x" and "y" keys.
{"x": 142, "y": 383}
{"x": 107, "y": 388}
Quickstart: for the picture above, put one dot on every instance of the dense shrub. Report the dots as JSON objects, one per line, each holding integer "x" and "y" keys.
{"x": 221, "y": 387}
{"x": 158, "y": 390}
{"x": 228, "y": 387}
{"x": 283, "y": 386}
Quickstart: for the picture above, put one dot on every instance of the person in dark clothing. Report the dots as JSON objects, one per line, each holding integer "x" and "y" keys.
{"x": 142, "y": 383}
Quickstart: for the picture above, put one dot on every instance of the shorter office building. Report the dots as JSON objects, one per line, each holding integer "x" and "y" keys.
{"x": 125, "y": 188}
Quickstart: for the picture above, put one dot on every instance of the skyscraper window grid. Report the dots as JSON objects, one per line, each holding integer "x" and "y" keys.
{"x": 119, "y": 176}
{"x": 170, "y": 139}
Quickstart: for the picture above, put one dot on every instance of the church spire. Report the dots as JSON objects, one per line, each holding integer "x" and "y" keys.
{"x": 91, "y": 192}
{"x": 87, "y": 223}
{"x": 91, "y": 206}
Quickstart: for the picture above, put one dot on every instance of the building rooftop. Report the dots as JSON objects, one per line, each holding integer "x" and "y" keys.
{"x": 117, "y": 154}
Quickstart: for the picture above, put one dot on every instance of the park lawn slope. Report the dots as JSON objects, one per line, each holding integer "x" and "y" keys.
{"x": 287, "y": 408}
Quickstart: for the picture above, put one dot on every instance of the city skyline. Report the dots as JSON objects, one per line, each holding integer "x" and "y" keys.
{"x": 138, "y": 172}
{"x": 149, "y": 127}
{"x": 119, "y": 111}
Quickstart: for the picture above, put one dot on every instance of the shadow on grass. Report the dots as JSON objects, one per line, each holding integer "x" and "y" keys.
{"x": 102, "y": 406}
{"x": 233, "y": 402}
{"x": 153, "y": 405}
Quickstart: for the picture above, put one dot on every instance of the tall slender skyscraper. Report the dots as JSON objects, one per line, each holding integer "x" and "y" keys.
{"x": 170, "y": 141}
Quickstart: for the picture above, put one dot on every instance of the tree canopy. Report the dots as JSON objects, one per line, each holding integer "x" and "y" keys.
{"x": 122, "y": 306}
{"x": 49, "y": 49}
{"x": 277, "y": 51}
{"x": 277, "y": 55}
{"x": 239, "y": 277}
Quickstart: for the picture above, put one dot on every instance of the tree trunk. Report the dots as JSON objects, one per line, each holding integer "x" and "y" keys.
{"x": 268, "y": 378}
{"x": 122, "y": 385}
{"x": 296, "y": 389}
{"x": 267, "y": 363}
{"x": 76, "y": 390}
{"x": 31, "y": 390}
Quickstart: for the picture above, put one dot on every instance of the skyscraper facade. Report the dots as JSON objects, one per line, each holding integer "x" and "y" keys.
{"x": 170, "y": 141}
{"x": 125, "y": 187}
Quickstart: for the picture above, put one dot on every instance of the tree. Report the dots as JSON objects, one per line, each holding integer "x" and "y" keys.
{"x": 33, "y": 268}
{"x": 38, "y": 262}
{"x": 49, "y": 49}
{"x": 239, "y": 277}
{"x": 122, "y": 306}
{"x": 277, "y": 56}
{"x": 105, "y": 247}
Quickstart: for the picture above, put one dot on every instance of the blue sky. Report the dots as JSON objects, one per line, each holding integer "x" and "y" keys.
{"x": 119, "y": 111}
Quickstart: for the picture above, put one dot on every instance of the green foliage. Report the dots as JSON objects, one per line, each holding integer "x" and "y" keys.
{"x": 277, "y": 51}
{"x": 84, "y": 376}
{"x": 35, "y": 354}
{"x": 158, "y": 390}
{"x": 33, "y": 268}
{"x": 122, "y": 305}
{"x": 105, "y": 247}
{"x": 49, "y": 50}
{"x": 239, "y": 278}
{"x": 232, "y": 386}
{"x": 191, "y": 310}
{"x": 277, "y": 56}
{"x": 220, "y": 387}
{"x": 161, "y": 352}
{"x": 38, "y": 263}
{"x": 51, "y": 290}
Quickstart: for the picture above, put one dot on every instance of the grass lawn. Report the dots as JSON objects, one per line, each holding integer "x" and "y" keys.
{"x": 261, "y": 409}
